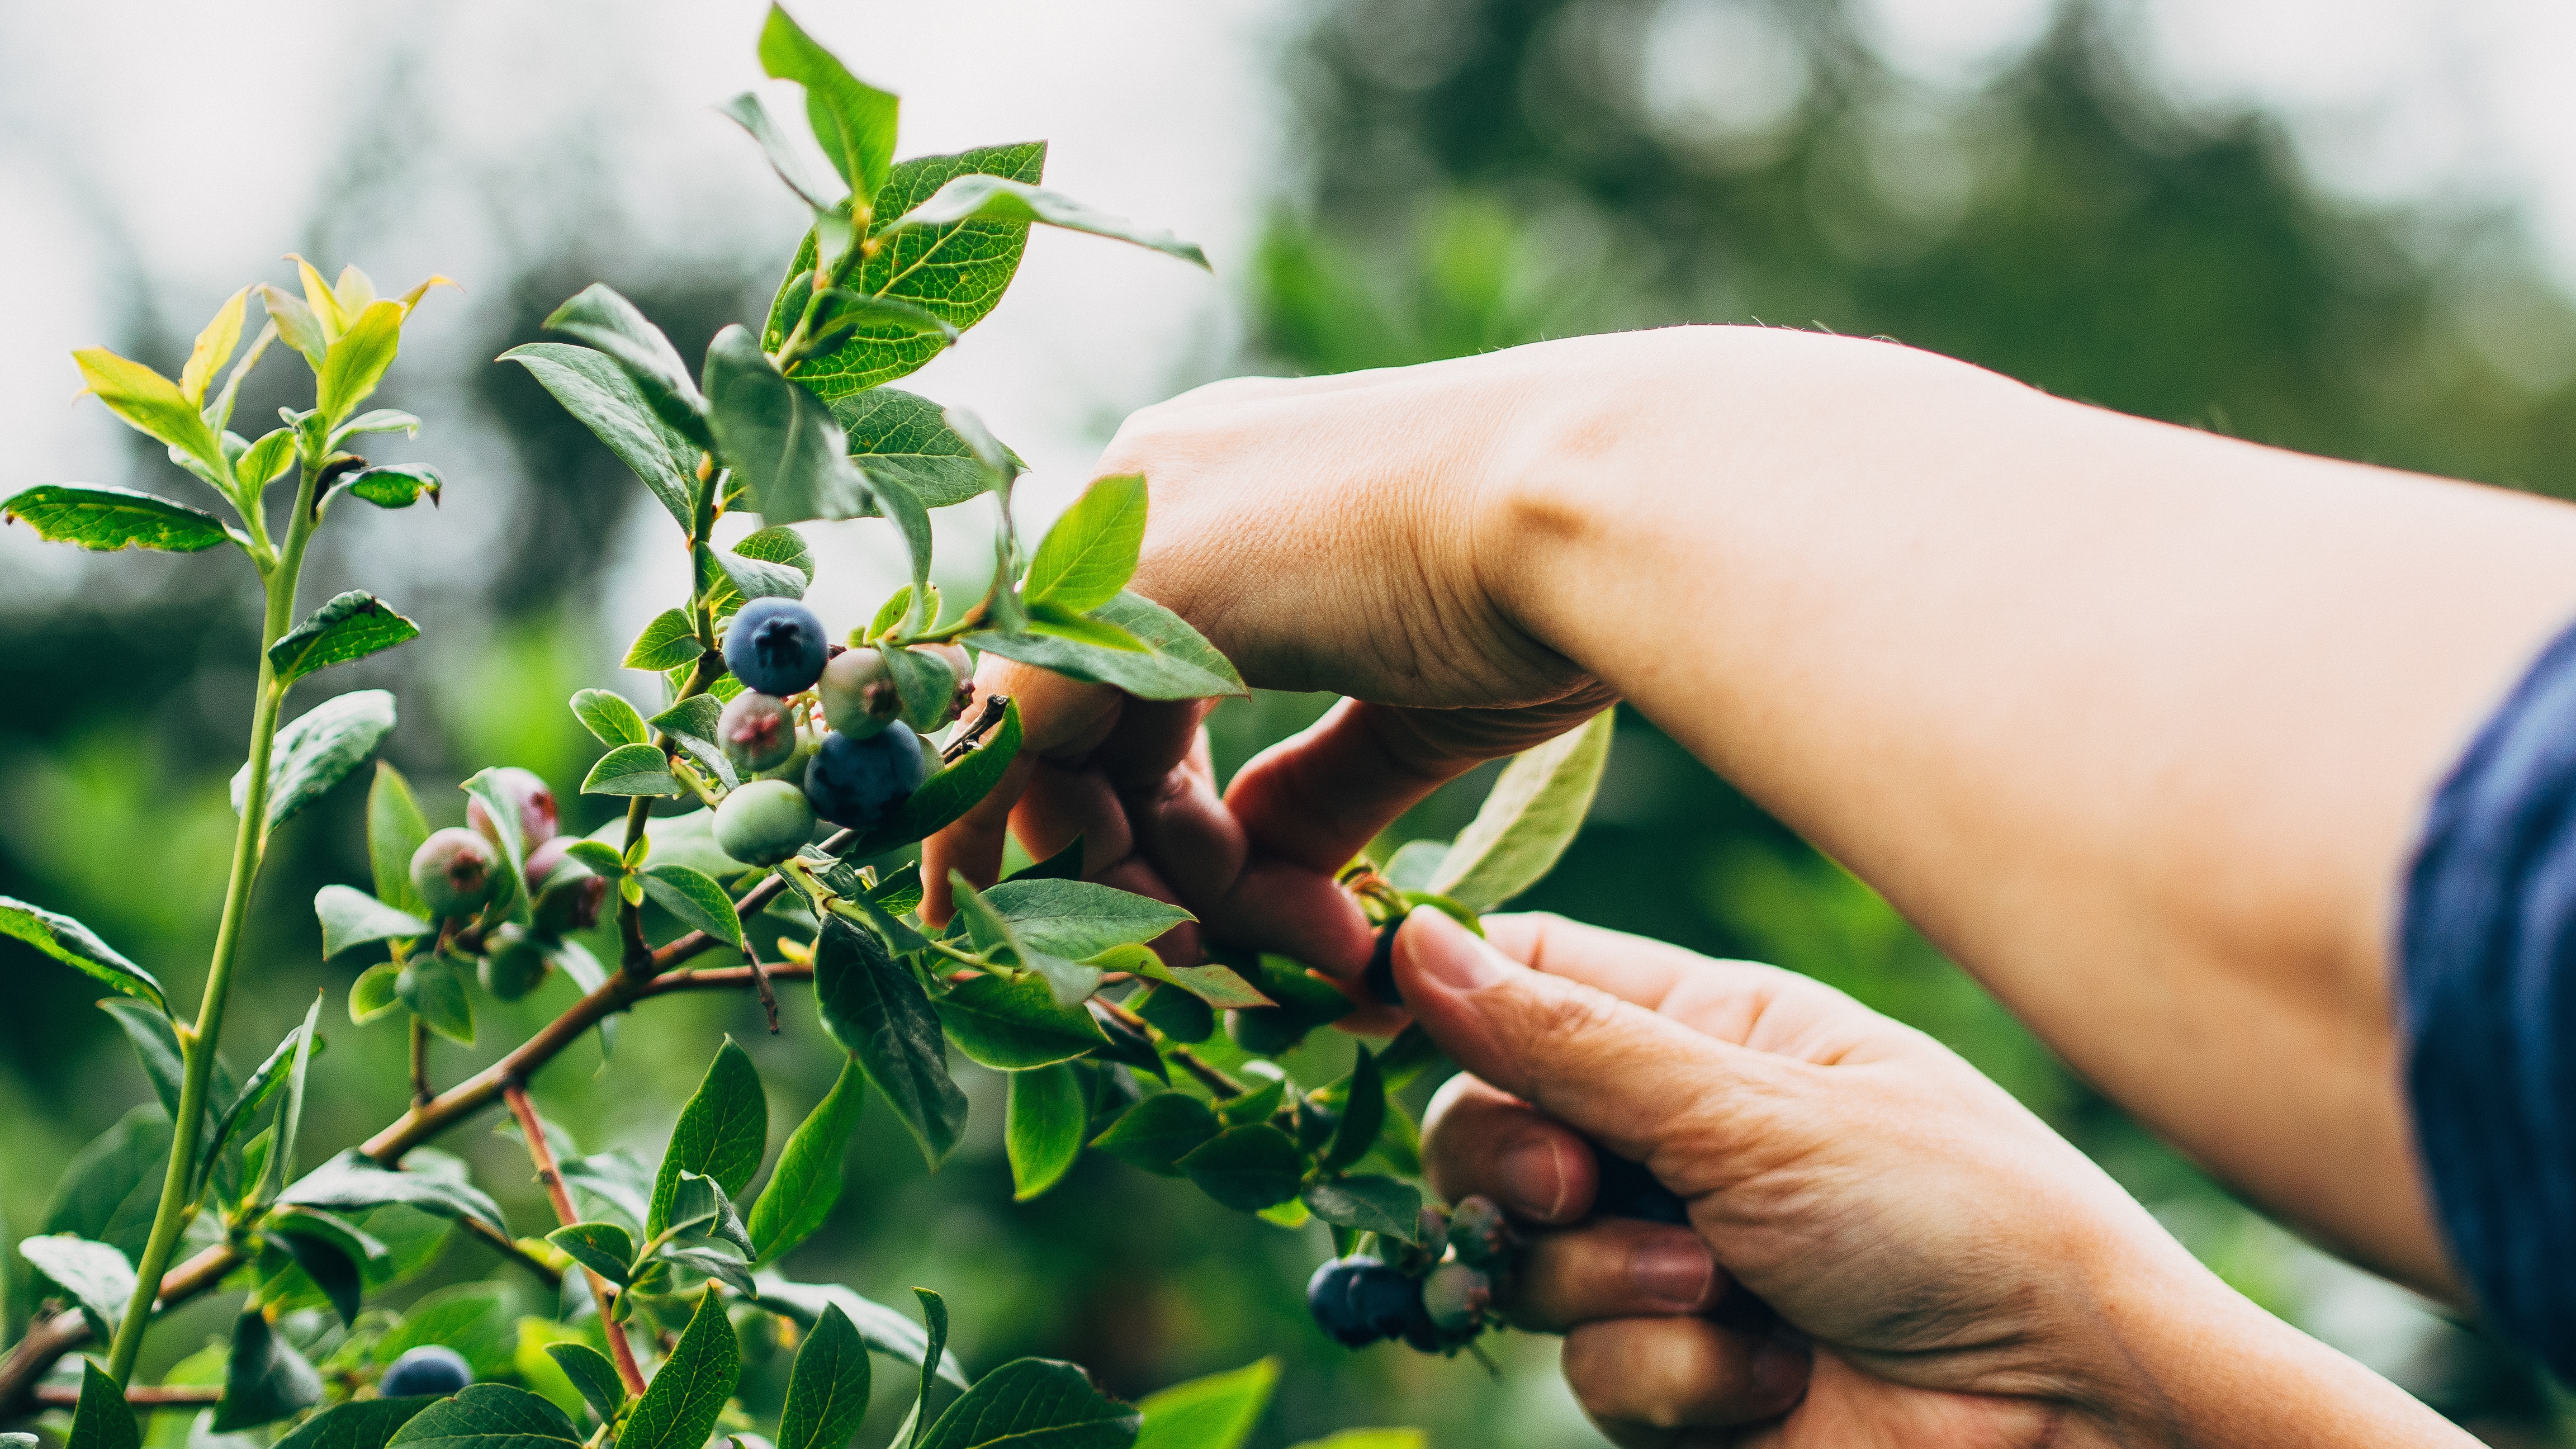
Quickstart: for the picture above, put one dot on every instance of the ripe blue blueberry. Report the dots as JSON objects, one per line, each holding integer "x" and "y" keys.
{"x": 1361, "y": 1300}
{"x": 453, "y": 872}
{"x": 432, "y": 1368}
{"x": 776, "y": 646}
{"x": 858, "y": 783}
{"x": 763, "y": 822}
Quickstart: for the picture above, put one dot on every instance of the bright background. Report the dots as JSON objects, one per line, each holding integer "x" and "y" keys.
{"x": 2346, "y": 227}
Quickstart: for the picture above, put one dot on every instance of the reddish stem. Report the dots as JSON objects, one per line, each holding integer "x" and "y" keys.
{"x": 542, "y": 1153}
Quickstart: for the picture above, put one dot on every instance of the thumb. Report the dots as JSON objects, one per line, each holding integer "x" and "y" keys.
{"x": 1639, "y": 1083}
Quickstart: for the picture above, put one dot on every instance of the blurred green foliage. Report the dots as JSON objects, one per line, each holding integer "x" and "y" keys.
{"x": 1499, "y": 170}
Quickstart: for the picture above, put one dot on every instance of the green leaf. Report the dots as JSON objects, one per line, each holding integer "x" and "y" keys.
{"x": 807, "y": 1183}
{"x": 265, "y": 1379}
{"x": 290, "y": 1116}
{"x": 376, "y": 992}
{"x": 1058, "y": 622}
{"x": 356, "y": 1424}
{"x": 272, "y": 455}
{"x": 102, "y": 1419}
{"x": 349, "y": 627}
{"x": 1158, "y": 1132}
{"x": 78, "y": 947}
{"x": 1043, "y": 1129}
{"x": 150, "y": 403}
{"x": 1526, "y": 823}
{"x": 696, "y": 899}
{"x": 488, "y": 1416}
{"x": 727, "y": 580}
{"x": 844, "y": 310}
{"x": 396, "y": 485}
{"x": 239, "y": 1107}
{"x": 382, "y": 420}
{"x": 112, "y": 1187}
{"x": 1216, "y": 1412}
{"x": 902, "y": 507}
{"x": 1415, "y": 863}
{"x": 609, "y": 718}
{"x": 600, "y": 856}
{"x": 1035, "y": 1403}
{"x": 993, "y": 198}
{"x": 156, "y": 1046}
{"x": 691, "y": 724}
{"x": 680, "y": 1407}
{"x": 1175, "y": 1013}
{"x": 1248, "y": 1167}
{"x": 593, "y": 388}
{"x": 783, "y": 443}
{"x": 854, "y": 121}
{"x": 1380, "y": 1205}
{"x": 934, "y": 1320}
{"x": 106, "y": 518}
{"x": 592, "y": 1375}
{"x": 1016, "y": 1025}
{"x": 631, "y": 770}
{"x": 352, "y": 1180}
{"x": 96, "y": 1275}
{"x": 883, "y": 1329}
{"x": 779, "y": 545}
{"x": 603, "y": 1248}
{"x": 1179, "y": 663}
{"x": 1370, "y": 1439}
{"x": 666, "y": 643}
{"x": 948, "y": 795}
{"x": 434, "y": 990}
{"x": 598, "y": 316}
{"x": 357, "y": 359}
{"x": 1080, "y": 919}
{"x": 214, "y": 348}
{"x": 827, "y": 1390}
{"x": 1363, "y": 1108}
{"x": 957, "y": 272}
{"x": 475, "y": 1319}
{"x": 721, "y": 1134}
{"x": 319, "y": 750}
{"x": 923, "y": 681}
{"x": 902, "y": 436}
{"x": 1214, "y": 984}
{"x": 334, "y": 1254}
{"x": 395, "y": 831}
{"x": 876, "y": 1009}
{"x": 746, "y": 111}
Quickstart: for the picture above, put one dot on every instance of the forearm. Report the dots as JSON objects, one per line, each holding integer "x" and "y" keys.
{"x": 2136, "y": 722}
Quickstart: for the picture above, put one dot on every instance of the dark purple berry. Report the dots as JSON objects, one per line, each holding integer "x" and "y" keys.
{"x": 431, "y": 1369}
{"x": 1380, "y": 976}
{"x": 1628, "y": 1190}
{"x": 859, "y": 783}
{"x": 1361, "y": 1300}
{"x": 776, "y": 646}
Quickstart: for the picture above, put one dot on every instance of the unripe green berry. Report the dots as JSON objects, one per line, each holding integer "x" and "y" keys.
{"x": 758, "y": 731}
{"x": 1456, "y": 1296}
{"x": 513, "y": 968}
{"x": 858, "y": 693}
{"x": 1478, "y": 1231}
{"x": 453, "y": 872}
{"x": 764, "y": 822}
{"x": 528, "y": 794}
{"x": 962, "y": 670}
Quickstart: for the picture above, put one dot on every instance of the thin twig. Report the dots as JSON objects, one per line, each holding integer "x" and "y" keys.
{"x": 141, "y": 1396}
{"x": 508, "y": 1247}
{"x": 420, "y": 1088}
{"x": 542, "y": 1153}
{"x": 995, "y": 705}
{"x": 760, "y": 983}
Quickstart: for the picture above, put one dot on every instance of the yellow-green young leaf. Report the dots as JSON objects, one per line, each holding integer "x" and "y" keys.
{"x": 273, "y": 454}
{"x": 680, "y": 1407}
{"x": 1043, "y": 1129}
{"x": 807, "y": 1183}
{"x": 1091, "y": 552}
{"x": 995, "y": 198}
{"x": 853, "y": 121}
{"x": 412, "y": 298}
{"x": 151, "y": 403}
{"x": 357, "y": 360}
{"x": 1216, "y": 1412}
{"x": 214, "y": 348}
{"x": 105, "y": 519}
{"x": 324, "y": 302}
{"x": 349, "y": 627}
{"x": 1528, "y": 820}
{"x": 295, "y": 322}
{"x": 353, "y": 291}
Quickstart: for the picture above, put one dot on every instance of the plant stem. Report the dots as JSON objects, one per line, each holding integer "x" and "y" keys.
{"x": 542, "y": 1153}
{"x": 250, "y": 840}
{"x": 420, "y": 1091}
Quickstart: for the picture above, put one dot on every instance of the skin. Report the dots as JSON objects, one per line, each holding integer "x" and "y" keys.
{"x": 2135, "y": 722}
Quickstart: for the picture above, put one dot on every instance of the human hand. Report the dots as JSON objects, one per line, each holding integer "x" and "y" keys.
{"x": 1325, "y": 535}
{"x": 1944, "y": 1269}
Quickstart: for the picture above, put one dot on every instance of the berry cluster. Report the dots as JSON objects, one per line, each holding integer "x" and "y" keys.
{"x": 866, "y": 760}
{"x": 1436, "y": 1297}
{"x": 456, "y": 873}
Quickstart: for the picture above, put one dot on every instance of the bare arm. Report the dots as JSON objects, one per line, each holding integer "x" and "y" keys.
{"x": 2136, "y": 722}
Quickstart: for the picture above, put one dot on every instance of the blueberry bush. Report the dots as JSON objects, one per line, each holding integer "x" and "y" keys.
{"x": 772, "y": 797}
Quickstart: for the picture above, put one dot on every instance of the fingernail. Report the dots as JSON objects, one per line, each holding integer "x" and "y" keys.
{"x": 1674, "y": 1271}
{"x": 1533, "y": 1180}
{"x": 1448, "y": 952}
{"x": 1779, "y": 1374}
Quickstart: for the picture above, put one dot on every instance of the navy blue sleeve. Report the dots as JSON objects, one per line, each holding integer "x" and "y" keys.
{"x": 2487, "y": 956}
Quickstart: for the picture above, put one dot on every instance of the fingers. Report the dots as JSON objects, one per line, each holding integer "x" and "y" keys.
{"x": 1625, "y": 1077}
{"x": 1478, "y": 1140}
{"x": 1650, "y": 1381}
{"x": 1317, "y": 797}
